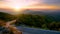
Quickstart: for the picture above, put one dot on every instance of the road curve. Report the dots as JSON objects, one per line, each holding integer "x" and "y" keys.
{"x": 27, "y": 30}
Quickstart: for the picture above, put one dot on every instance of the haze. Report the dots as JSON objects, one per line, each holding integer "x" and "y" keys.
{"x": 17, "y": 5}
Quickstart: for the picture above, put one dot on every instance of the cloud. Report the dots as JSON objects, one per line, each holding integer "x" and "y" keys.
{"x": 42, "y": 7}
{"x": 21, "y": 3}
{"x": 52, "y": 2}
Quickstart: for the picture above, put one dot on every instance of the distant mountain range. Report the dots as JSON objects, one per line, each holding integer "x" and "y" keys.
{"x": 54, "y": 13}
{"x": 29, "y": 11}
{"x": 43, "y": 12}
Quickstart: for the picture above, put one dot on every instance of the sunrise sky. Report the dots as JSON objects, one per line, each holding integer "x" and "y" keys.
{"x": 35, "y": 4}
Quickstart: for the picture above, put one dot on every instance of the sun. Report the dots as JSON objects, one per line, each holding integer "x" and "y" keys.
{"x": 16, "y": 8}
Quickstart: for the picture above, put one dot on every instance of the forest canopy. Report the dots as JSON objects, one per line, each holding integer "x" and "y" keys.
{"x": 37, "y": 21}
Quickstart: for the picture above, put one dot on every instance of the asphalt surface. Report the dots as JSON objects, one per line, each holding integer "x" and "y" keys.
{"x": 27, "y": 30}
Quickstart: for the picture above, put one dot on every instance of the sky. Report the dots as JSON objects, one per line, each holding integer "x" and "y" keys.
{"x": 34, "y": 3}
{"x": 52, "y": 2}
{"x": 18, "y": 5}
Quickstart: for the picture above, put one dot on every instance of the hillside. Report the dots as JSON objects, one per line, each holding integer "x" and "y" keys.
{"x": 33, "y": 20}
{"x": 39, "y": 21}
{"x": 6, "y": 16}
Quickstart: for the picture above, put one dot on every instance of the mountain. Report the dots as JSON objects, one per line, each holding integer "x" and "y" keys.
{"x": 38, "y": 12}
{"x": 6, "y": 16}
{"x": 53, "y": 13}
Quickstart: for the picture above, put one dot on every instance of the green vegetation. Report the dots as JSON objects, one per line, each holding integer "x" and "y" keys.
{"x": 38, "y": 21}
{"x": 6, "y": 16}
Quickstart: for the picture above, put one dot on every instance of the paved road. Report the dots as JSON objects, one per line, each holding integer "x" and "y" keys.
{"x": 27, "y": 30}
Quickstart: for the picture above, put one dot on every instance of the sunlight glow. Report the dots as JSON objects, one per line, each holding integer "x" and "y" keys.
{"x": 16, "y": 8}
{"x": 16, "y": 5}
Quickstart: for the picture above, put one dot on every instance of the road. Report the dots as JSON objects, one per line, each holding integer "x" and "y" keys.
{"x": 27, "y": 30}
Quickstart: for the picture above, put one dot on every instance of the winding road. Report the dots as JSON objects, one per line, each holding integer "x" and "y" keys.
{"x": 27, "y": 30}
